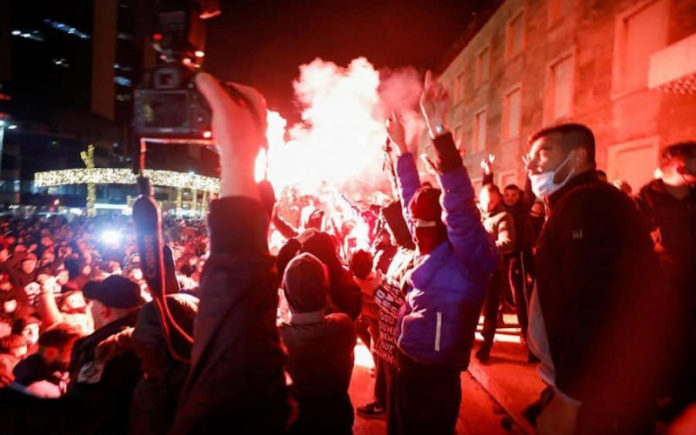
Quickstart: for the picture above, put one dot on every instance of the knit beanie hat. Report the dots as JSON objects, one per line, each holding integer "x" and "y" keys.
{"x": 305, "y": 284}
{"x": 425, "y": 207}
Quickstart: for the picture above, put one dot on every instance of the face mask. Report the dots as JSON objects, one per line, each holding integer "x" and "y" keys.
{"x": 543, "y": 185}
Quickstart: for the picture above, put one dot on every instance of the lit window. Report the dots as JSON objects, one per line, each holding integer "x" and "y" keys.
{"x": 123, "y": 81}
{"x": 479, "y": 139}
{"x": 559, "y": 9}
{"x": 34, "y": 35}
{"x": 483, "y": 65}
{"x": 61, "y": 62}
{"x": 639, "y": 33}
{"x": 514, "y": 36}
{"x": 512, "y": 112}
{"x": 61, "y": 27}
{"x": 560, "y": 89}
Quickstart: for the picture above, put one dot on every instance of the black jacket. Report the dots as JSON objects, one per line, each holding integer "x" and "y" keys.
{"x": 320, "y": 363}
{"x": 236, "y": 383}
{"x": 104, "y": 394}
{"x": 597, "y": 292}
{"x": 672, "y": 223}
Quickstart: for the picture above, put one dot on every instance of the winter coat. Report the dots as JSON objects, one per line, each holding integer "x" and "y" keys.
{"x": 103, "y": 390}
{"x": 599, "y": 298}
{"x": 501, "y": 228}
{"x": 236, "y": 382}
{"x": 320, "y": 363}
{"x": 672, "y": 223}
{"x": 445, "y": 290}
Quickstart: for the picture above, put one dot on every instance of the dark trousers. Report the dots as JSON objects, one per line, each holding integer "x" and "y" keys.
{"x": 384, "y": 379}
{"x": 490, "y": 309}
{"x": 517, "y": 277}
{"x": 425, "y": 399}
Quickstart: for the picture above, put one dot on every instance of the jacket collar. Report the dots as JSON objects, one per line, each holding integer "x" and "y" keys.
{"x": 306, "y": 318}
{"x": 427, "y": 265}
{"x": 587, "y": 177}
{"x": 500, "y": 208}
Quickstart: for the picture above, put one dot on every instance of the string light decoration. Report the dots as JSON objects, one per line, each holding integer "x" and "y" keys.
{"x": 88, "y": 158}
{"x": 180, "y": 180}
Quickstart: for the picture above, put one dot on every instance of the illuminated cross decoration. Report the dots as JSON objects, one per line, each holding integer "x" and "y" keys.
{"x": 88, "y": 159}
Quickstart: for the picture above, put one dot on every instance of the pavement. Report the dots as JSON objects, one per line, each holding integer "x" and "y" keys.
{"x": 494, "y": 394}
{"x": 507, "y": 376}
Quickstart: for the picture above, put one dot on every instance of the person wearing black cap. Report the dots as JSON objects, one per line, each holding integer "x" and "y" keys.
{"x": 104, "y": 387}
{"x": 320, "y": 350}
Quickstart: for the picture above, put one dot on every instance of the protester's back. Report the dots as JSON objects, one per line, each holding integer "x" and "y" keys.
{"x": 320, "y": 351}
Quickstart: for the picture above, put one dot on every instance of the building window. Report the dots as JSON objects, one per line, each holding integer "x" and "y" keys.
{"x": 483, "y": 66}
{"x": 633, "y": 161}
{"x": 640, "y": 32}
{"x": 514, "y": 36}
{"x": 479, "y": 140}
{"x": 458, "y": 88}
{"x": 559, "y": 9}
{"x": 512, "y": 113}
{"x": 559, "y": 97}
{"x": 458, "y": 135}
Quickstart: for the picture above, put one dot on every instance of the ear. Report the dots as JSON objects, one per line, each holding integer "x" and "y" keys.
{"x": 105, "y": 311}
{"x": 580, "y": 155}
{"x": 50, "y": 353}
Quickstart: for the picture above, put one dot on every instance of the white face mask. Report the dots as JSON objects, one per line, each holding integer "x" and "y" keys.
{"x": 543, "y": 185}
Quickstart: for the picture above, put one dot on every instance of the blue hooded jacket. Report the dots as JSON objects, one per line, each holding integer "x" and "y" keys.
{"x": 446, "y": 288}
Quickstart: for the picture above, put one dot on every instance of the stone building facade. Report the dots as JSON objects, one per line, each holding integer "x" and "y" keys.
{"x": 625, "y": 68}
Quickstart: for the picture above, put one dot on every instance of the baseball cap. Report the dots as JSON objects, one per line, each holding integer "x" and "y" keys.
{"x": 115, "y": 291}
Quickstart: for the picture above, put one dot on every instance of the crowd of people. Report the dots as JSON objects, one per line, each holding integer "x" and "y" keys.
{"x": 261, "y": 342}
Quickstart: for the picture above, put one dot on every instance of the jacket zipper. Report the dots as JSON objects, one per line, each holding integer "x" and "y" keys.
{"x": 438, "y": 328}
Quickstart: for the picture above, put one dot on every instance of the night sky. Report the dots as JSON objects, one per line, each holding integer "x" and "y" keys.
{"x": 263, "y": 42}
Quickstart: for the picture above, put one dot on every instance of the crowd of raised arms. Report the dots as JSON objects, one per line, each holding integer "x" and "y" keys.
{"x": 601, "y": 279}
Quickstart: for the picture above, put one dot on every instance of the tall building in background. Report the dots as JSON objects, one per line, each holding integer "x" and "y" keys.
{"x": 66, "y": 80}
{"x": 625, "y": 68}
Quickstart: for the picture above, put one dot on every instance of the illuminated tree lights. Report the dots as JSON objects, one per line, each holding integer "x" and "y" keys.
{"x": 179, "y": 180}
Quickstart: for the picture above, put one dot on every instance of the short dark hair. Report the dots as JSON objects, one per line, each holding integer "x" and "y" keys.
{"x": 59, "y": 336}
{"x": 579, "y": 135}
{"x": 361, "y": 263}
{"x": 513, "y": 186}
{"x": 678, "y": 149}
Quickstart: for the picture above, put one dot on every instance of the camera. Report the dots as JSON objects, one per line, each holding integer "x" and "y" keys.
{"x": 166, "y": 103}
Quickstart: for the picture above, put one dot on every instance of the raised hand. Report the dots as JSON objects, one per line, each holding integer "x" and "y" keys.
{"x": 434, "y": 103}
{"x": 239, "y": 129}
{"x": 396, "y": 132}
{"x": 487, "y": 164}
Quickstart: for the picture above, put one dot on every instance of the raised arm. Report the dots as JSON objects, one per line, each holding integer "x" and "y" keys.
{"x": 406, "y": 172}
{"x": 236, "y": 376}
{"x": 469, "y": 239}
